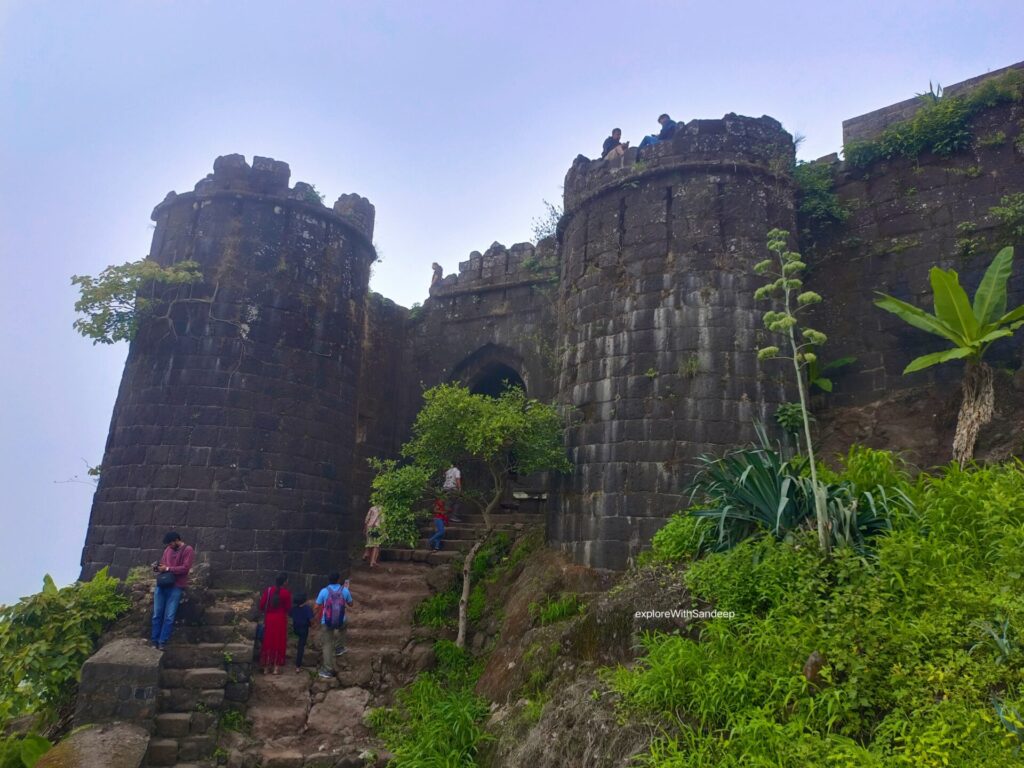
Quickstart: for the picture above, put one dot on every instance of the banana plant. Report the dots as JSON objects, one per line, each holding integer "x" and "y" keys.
{"x": 971, "y": 329}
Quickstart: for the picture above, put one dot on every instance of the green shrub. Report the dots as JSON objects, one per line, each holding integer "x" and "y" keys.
{"x": 683, "y": 537}
{"x": 45, "y": 639}
{"x": 819, "y": 209}
{"x": 919, "y": 638}
{"x": 22, "y": 751}
{"x": 1010, "y": 215}
{"x": 437, "y": 719}
{"x": 555, "y": 609}
{"x": 438, "y": 610}
{"x": 942, "y": 125}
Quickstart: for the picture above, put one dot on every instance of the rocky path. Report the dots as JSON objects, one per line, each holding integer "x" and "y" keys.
{"x": 300, "y": 720}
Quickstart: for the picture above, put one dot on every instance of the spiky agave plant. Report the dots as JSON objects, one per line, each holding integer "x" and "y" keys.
{"x": 972, "y": 329}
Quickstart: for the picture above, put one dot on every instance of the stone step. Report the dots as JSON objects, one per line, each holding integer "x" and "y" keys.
{"x": 162, "y": 752}
{"x": 268, "y": 722}
{"x": 193, "y": 655}
{"x": 419, "y": 556}
{"x": 228, "y": 633}
{"x": 380, "y": 618}
{"x": 188, "y": 699}
{"x": 218, "y": 615}
{"x": 453, "y": 544}
{"x": 381, "y": 637}
{"x": 383, "y": 599}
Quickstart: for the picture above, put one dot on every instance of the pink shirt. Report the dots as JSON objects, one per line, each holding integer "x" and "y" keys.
{"x": 179, "y": 562}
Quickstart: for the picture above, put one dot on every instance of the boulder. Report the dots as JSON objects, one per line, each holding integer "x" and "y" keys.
{"x": 113, "y": 745}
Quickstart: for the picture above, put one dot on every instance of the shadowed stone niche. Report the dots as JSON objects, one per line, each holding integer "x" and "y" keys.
{"x": 235, "y": 420}
{"x": 658, "y": 323}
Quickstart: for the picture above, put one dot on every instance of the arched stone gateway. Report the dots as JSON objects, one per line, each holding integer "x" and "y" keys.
{"x": 491, "y": 369}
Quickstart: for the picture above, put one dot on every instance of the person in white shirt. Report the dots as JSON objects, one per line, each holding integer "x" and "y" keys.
{"x": 452, "y": 488}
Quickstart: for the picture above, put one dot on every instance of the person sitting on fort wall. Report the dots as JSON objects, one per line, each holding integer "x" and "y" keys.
{"x": 171, "y": 581}
{"x": 438, "y": 275}
{"x": 613, "y": 151}
{"x": 668, "y": 130}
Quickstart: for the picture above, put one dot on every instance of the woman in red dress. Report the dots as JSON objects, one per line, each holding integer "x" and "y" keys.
{"x": 275, "y": 603}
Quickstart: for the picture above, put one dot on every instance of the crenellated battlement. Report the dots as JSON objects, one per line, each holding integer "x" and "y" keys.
{"x": 501, "y": 268}
{"x": 759, "y": 144}
{"x": 266, "y": 177}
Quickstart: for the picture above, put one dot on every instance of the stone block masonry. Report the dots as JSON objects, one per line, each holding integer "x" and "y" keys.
{"x": 247, "y": 411}
{"x": 658, "y": 323}
{"x": 235, "y": 420}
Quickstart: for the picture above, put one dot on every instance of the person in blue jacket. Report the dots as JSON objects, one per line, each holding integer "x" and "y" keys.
{"x": 668, "y": 130}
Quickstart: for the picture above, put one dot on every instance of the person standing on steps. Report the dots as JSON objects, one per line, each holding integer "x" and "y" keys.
{"x": 373, "y": 529}
{"x": 452, "y": 489}
{"x": 440, "y": 521}
{"x": 275, "y": 604}
{"x": 346, "y": 593}
{"x": 171, "y": 581}
{"x": 330, "y": 604}
{"x": 302, "y": 617}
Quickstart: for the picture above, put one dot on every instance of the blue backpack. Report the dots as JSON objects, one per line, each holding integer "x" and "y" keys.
{"x": 334, "y": 608}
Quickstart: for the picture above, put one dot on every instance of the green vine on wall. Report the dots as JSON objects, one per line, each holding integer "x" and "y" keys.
{"x": 941, "y": 126}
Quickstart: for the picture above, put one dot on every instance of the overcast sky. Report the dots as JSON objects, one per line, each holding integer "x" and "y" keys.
{"x": 456, "y": 119}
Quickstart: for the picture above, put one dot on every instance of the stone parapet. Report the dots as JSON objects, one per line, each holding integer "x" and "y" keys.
{"x": 502, "y": 268}
{"x": 870, "y": 124}
{"x": 233, "y": 177}
{"x": 733, "y": 144}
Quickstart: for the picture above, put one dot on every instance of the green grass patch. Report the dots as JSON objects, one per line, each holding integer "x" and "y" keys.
{"x": 922, "y": 636}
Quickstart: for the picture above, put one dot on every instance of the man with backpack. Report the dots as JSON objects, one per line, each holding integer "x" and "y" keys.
{"x": 330, "y": 605}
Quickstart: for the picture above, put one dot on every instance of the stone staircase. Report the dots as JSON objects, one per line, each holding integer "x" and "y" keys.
{"x": 300, "y": 720}
{"x": 206, "y": 668}
{"x": 513, "y": 517}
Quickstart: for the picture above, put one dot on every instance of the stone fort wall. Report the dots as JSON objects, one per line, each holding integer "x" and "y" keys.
{"x": 235, "y": 420}
{"x": 245, "y": 418}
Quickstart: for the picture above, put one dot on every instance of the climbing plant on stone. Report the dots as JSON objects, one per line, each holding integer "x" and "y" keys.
{"x": 972, "y": 329}
{"x": 783, "y": 268}
{"x": 115, "y": 303}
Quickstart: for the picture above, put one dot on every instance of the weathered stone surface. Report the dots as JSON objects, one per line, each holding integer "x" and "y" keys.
{"x": 205, "y": 678}
{"x": 173, "y": 724}
{"x": 162, "y": 752}
{"x": 113, "y": 745}
{"x": 268, "y": 722}
{"x": 119, "y": 682}
{"x": 340, "y": 712}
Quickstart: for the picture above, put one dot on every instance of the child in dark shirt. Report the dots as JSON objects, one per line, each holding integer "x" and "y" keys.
{"x": 302, "y": 617}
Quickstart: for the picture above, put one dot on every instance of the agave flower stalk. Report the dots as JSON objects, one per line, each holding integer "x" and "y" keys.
{"x": 783, "y": 269}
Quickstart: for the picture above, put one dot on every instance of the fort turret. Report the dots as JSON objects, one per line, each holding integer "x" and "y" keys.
{"x": 658, "y": 324}
{"x": 234, "y": 423}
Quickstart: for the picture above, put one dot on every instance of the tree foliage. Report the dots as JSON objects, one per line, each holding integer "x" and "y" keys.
{"x": 114, "y": 304}
{"x": 398, "y": 490}
{"x": 510, "y": 431}
{"x": 971, "y": 328}
{"x": 45, "y": 639}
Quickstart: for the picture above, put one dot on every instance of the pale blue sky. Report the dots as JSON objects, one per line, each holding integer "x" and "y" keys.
{"x": 455, "y": 118}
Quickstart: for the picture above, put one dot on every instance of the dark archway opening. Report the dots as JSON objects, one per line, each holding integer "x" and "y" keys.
{"x": 494, "y": 379}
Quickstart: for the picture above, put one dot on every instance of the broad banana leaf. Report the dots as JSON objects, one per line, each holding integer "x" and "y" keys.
{"x": 951, "y": 303}
{"x": 926, "y": 361}
{"x": 918, "y": 318}
{"x": 990, "y": 299}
